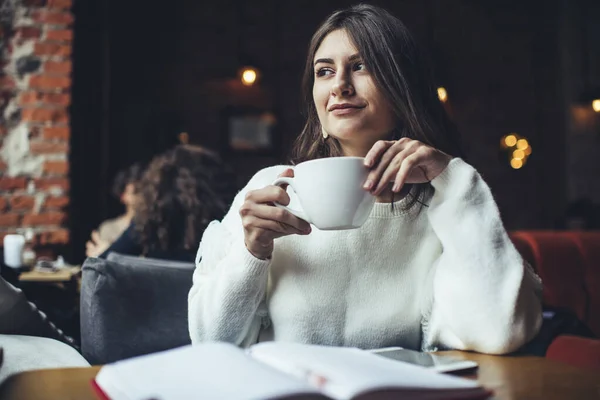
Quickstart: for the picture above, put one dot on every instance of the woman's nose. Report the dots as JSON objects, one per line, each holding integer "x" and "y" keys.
{"x": 342, "y": 86}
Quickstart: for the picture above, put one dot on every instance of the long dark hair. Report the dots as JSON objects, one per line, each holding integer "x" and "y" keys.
{"x": 179, "y": 194}
{"x": 400, "y": 71}
{"x": 130, "y": 175}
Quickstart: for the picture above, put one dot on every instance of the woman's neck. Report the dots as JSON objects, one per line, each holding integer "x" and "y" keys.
{"x": 129, "y": 213}
{"x": 353, "y": 151}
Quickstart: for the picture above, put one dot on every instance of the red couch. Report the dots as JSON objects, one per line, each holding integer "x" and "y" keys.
{"x": 569, "y": 264}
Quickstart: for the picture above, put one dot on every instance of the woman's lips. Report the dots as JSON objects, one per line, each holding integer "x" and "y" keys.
{"x": 345, "y": 109}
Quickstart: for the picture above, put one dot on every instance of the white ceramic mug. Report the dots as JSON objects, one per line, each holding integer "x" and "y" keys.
{"x": 330, "y": 192}
{"x": 13, "y": 250}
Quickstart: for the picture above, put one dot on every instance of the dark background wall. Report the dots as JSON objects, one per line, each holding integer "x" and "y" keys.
{"x": 144, "y": 71}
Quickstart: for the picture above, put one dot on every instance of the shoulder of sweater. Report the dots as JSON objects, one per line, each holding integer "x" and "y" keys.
{"x": 456, "y": 169}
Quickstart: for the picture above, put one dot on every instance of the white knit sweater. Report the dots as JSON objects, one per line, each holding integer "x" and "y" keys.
{"x": 446, "y": 275}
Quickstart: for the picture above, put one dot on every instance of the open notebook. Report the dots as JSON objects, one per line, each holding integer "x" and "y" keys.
{"x": 275, "y": 370}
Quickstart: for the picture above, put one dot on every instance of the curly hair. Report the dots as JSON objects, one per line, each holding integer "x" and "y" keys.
{"x": 132, "y": 174}
{"x": 180, "y": 193}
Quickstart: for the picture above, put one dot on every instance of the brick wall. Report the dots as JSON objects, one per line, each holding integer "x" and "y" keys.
{"x": 35, "y": 82}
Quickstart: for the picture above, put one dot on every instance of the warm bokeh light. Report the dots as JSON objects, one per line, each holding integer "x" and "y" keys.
{"x": 249, "y": 76}
{"x": 442, "y": 94}
{"x": 516, "y": 163}
{"x": 519, "y": 154}
{"x": 510, "y": 140}
{"x": 596, "y": 105}
{"x": 518, "y": 149}
{"x": 522, "y": 144}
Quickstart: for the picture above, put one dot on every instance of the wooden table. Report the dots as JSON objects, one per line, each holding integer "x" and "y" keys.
{"x": 59, "y": 276}
{"x": 509, "y": 378}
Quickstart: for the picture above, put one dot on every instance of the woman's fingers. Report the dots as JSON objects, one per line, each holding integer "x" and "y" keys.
{"x": 380, "y": 162}
{"x": 390, "y": 172}
{"x": 90, "y": 249}
{"x": 269, "y": 194}
{"x": 269, "y": 229}
{"x": 376, "y": 151}
{"x": 406, "y": 167}
{"x": 376, "y": 181}
{"x": 279, "y": 215}
{"x": 96, "y": 236}
{"x": 288, "y": 173}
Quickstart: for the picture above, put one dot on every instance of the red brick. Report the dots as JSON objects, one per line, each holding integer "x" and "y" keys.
{"x": 49, "y": 82}
{"x": 52, "y": 17}
{"x": 60, "y": 3}
{"x": 9, "y": 219}
{"x": 57, "y": 133}
{"x": 3, "y": 167}
{"x": 31, "y": 97}
{"x": 58, "y": 99}
{"x": 42, "y": 147}
{"x": 7, "y": 83}
{"x": 28, "y": 32}
{"x": 50, "y": 183}
{"x": 13, "y": 183}
{"x": 27, "y": 98}
{"x": 3, "y": 203}
{"x": 60, "y": 35}
{"x": 59, "y": 236}
{"x": 52, "y": 49}
{"x": 56, "y": 167}
{"x": 34, "y": 3}
{"x": 47, "y": 218}
{"x": 56, "y": 202}
{"x": 44, "y": 115}
{"x": 20, "y": 203}
{"x": 58, "y": 67}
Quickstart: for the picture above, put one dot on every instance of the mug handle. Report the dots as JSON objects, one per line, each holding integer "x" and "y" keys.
{"x": 289, "y": 181}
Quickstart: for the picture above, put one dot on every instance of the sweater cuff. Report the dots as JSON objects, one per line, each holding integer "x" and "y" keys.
{"x": 252, "y": 266}
{"x": 444, "y": 180}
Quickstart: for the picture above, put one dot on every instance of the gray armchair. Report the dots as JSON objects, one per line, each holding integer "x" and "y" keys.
{"x": 132, "y": 306}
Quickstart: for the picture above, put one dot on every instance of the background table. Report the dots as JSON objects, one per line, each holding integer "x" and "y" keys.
{"x": 509, "y": 378}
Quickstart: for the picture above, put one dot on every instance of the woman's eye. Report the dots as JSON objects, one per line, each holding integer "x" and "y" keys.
{"x": 359, "y": 66}
{"x": 324, "y": 72}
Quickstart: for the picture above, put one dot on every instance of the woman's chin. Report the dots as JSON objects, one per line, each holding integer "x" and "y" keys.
{"x": 347, "y": 133}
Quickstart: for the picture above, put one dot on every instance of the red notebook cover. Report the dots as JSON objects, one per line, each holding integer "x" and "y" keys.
{"x": 98, "y": 390}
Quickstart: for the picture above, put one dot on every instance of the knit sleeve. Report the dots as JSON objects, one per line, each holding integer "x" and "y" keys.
{"x": 485, "y": 297}
{"x": 226, "y": 301}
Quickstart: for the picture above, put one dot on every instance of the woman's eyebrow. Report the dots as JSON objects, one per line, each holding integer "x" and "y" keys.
{"x": 352, "y": 58}
{"x": 324, "y": 60}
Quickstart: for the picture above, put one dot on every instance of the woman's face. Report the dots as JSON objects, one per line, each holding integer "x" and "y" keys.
{"x": 129, "y": 196}
{"x": 349, "y": 105}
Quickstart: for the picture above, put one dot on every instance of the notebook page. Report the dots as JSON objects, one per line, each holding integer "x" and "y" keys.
{"x": 207, "y": 371}
{"x": 343, "y": 373}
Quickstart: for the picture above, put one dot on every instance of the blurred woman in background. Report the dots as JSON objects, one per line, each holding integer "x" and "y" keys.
{"x": 124, "y": 189}
{"x": 179, "y": 194}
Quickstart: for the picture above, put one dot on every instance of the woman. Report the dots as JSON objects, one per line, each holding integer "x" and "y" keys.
{"x": 110, "y": 230}
{"x": 431, "y": 268}
{"x": 178, "y": 195}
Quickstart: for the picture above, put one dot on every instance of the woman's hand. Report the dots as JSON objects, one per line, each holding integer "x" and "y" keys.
{"x": 402, "y": 161}
{"x": 263, "y": 222}
{"x": 96, "y": 246}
